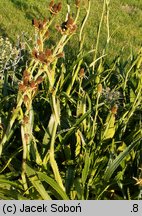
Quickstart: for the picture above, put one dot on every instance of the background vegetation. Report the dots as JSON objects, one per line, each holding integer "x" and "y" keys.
{"x": 125, "y": 22}
{"x": 70, "y": 100}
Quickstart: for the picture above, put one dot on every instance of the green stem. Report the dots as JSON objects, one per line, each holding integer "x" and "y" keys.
{"x": 77, "y": 14}
{"x": 84, "y": 21}
{"x": 23, "y": 174}
{"x": 107, "y": 22}
{"x": 11, "y": 122}
{"x": 73, "y": 78}
{"x": 95, "y": 118}
{"x": 55, "y": 109}
{"x": 98, "y": 35}
{"x": 52, "y": 157}
{"x": 59, "y": 46}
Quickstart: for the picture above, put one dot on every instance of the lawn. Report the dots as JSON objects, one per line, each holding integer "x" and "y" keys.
{"x": 125, "y": 22}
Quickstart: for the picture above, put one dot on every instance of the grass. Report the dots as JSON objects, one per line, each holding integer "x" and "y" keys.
{"x": 16, "y": 18}
{"x": 70, "y": 124}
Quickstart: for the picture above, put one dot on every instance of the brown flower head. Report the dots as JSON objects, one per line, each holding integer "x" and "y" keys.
{"x": 39, "y": 42}
{"x": 82, "y": 73}
{"x": 42, "y": 57}
{"x": 26, "y": 101}
{"x": 55, "y": 8}
{"x": 26, "y": 73}
{"x": 35, "y": 54}
{"x": 70, "y": 21}
{"x": 48, "y": 52}
{"x": 25, "y": 119}
{"x": 67, "y": 27}
{"x": 77, "y": 3}
{"x": 51, "y": 4}
{"x": 35, "y": 23}
{"x": 26, "y": 98}
{"x": 99, "y": 88}
{"x": 60, "y": 55}
{"x": 46, "y": 34}
{"x": 26, "y": 137}
{"x": 71, "y": 25}
{"x": 39, "y": 24}
{"x": 39, "y": 80}
{"x": 114, "y": 109}
{"x": 33, "y": 84}
{"x": 45, "y": 57}
{"x": 26, "y": 77}
{"x": 22, "y": 87}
